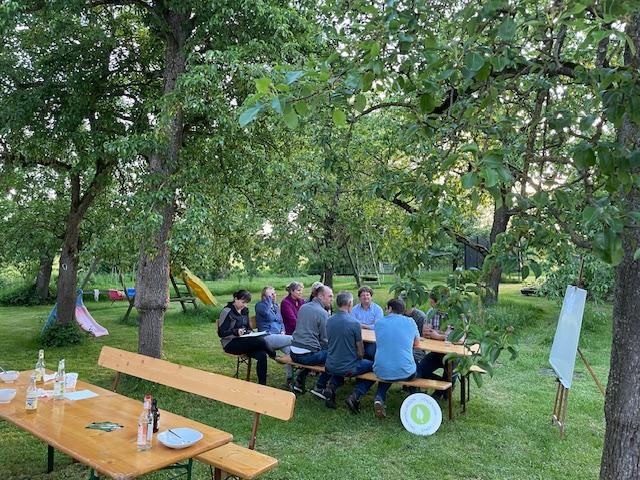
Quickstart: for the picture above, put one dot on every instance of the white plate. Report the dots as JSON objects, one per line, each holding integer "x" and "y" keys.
{"x": 186, "y": 438}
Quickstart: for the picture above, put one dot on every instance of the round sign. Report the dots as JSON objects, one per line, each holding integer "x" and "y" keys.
{"x": 420, "y": 414}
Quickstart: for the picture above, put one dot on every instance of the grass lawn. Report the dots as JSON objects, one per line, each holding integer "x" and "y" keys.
{"x": 505, "y": 434}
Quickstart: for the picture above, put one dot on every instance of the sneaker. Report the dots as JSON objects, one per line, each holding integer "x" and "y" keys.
{"x": 330, "y": 401}
{"x": 298, "y": 388}
{"x": 379, "y": 409}
{"x": 353, "y": 404}
{"x": 322, "y": 394}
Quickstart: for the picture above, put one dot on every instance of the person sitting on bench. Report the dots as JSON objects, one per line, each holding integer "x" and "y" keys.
{"x": 290, "y": 306}
{"x": 309, "y": 343}
{"x": 367, "y": 312}
{"x": 345, "y": 356}
{"x": 419, "y": 317}
{"x": 431, "y": 329}
{"x": 233, "y": 324}
{"x": 269, "y": 319}
{"x": 396, "y": 337}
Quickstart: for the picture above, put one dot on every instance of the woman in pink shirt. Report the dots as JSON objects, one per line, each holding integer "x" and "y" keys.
{"x": 290, "y": 305}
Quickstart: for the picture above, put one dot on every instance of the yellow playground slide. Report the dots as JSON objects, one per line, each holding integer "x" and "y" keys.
{"x": 198, "y": 287}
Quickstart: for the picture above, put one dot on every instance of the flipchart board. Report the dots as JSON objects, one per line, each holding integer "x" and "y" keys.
{"x": 565, "y": 342}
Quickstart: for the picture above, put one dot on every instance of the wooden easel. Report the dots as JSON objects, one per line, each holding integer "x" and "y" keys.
{"x": 562, "y": 394}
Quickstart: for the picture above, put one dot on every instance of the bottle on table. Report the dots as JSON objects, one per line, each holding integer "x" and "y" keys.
{"x": 156, "y": 415}
{"x": 447, "y": 334}
{"x": 39, "y": 370}
{"x": 31, "y": 402}
{"x": 145, "y": 426}
{"x": 58, "y": 384}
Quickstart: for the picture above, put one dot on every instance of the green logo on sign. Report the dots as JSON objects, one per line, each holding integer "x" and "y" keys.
{"x": 420, "y": 414}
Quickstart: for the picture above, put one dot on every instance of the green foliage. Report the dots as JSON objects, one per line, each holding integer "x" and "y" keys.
{"x": 461, "y": 298}
{"x": 63, "y": 335}
{"x": 21, "y": 294}
{"x": 598, "y": 277}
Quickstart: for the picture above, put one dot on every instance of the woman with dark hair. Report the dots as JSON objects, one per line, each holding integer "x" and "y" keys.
{"x": 233, "y": 327}
{"x": 290, "y": 306}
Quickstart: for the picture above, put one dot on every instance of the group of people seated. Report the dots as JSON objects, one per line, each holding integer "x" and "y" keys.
{"x": 311, "y": 335}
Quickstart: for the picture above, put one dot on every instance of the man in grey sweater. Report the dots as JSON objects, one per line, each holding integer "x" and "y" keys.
{"x": 309, "y": 342}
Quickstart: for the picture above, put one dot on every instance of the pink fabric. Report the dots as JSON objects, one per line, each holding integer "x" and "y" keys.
{"x": 289, "y": 308}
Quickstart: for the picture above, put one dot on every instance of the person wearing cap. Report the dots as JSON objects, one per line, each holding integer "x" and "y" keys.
{"x": 314, "y": 290}
{"x": 290, "y": 306}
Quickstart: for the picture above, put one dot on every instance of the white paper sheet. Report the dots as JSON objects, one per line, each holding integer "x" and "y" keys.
{"x": 80, "y": 395}
{"x": 253, "y": 334}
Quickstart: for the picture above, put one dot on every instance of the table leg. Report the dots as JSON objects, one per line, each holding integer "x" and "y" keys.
{"x": 450, "y": 396}
{"x": 50, "y": 451}
{"x": 93, "y": 475}
{"x": 189, "y": 468}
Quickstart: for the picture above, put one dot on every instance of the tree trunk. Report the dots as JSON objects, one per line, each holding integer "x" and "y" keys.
{"x": 87, "y": 277}
{"x": 328, "y": 275}
{"x": 501, "y": 218}
{"x": 354, "y": 267}
{"x": 621, "y": 452}
{"x": 68, "y": 273}
{"x": 152, "y": 280}
{"x": 44, "y": 277}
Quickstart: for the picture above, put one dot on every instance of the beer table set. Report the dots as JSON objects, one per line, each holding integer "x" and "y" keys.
{"x": 62, "y": 424}
{"x": 438, "y": 346}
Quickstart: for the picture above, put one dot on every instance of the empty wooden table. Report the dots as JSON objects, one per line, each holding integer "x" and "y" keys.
{"x": 62, "y": 425}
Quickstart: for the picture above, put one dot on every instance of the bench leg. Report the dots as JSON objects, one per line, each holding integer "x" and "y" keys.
{"x": 450, "y": 396}
{"x": 50, "y": 451}
{"x": 248, "y": 361}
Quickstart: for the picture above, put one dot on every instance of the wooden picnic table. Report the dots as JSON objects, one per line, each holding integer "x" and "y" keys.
{"x": 438, "y": 346}
{"x": 62, "y": 425}
{"x": 429, "y": 344}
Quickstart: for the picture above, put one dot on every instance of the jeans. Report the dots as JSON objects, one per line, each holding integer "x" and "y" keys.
{"x": 369, "y": 350}
{"x": 363, "y": 365}
{"x": 280, "y": 342}
{"x": 315, "y": 358}
{"x": 383, "y": 388}
{"x": 363, "y": 386}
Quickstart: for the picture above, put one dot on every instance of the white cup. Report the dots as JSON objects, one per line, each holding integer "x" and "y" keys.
{"x": 70, "y": 380}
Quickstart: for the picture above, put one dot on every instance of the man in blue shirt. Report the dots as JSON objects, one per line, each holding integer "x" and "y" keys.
{"x": 269, "y": 319}
{"x": 367, "y": 313}
{"x": 396, "y": 336}
{"x": 346, "y": 348}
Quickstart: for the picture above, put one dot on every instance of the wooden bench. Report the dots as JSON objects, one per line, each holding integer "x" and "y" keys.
{"x": 416, "y": 382}
{"x": 262, "y": 400}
